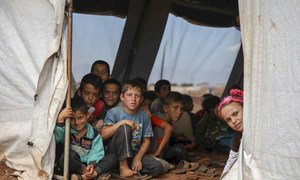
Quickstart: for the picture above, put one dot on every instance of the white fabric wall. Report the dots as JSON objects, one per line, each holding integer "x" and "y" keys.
{"x": 31, "y": 32}
{"x": 271, "y": 41}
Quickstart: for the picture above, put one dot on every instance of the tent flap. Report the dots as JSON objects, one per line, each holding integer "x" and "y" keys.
{"x": 33, "y": 82}
{"x": 271, "y": 43}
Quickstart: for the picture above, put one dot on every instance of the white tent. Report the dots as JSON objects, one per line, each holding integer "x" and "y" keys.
{"x": 33, "y": 82}
{"x": 271, "y": 138}
{"x": 33, "y": 86}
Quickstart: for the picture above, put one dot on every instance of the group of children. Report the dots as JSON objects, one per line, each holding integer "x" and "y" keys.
{"x": 125, "y": 127}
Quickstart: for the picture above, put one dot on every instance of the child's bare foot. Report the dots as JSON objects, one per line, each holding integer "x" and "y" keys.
{"x": 125, "y": 171}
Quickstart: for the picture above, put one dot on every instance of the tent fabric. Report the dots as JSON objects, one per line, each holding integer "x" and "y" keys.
{"x": 33, "y": 83}
{"x": 271, "y": 42}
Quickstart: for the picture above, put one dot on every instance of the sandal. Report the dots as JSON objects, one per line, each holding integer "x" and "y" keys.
{"x": 203, "y": 171}
{"x": 185, "y": 166}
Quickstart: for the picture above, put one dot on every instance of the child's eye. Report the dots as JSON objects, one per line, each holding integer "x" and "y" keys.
{"x": 235, "y": 113}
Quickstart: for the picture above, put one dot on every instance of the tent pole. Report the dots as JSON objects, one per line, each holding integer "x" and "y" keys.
{"x": 68, "y": 103}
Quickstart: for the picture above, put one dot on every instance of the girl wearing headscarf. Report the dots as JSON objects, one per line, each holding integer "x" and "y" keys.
{"x": 230, "y": 109}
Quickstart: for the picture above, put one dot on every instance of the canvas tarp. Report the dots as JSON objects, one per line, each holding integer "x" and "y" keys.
{"x": 271, "y": 42}
{"x": 33, "y": 82}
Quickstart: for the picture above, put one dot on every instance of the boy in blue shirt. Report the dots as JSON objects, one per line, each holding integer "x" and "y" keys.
{"x": 128, "y": 130}
{"x": 86, "y": 150}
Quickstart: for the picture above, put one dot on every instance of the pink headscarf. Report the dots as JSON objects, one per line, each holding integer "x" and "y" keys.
{"x": 236, "y": 95}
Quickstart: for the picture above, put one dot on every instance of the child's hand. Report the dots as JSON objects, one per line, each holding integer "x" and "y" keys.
{"x": 130, "y": 123}
{"x": 146, "y": 110}
{"x": 99, "y": 124}
{"x": 157, "y": 153}
{"x": 64, "y": 114}
{"x": 89, "y": 172}
{"x": 90, "y": 114}
{"x": 136, "y": 165}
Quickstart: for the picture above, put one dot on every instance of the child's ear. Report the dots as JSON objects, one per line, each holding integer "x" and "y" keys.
{"x": 165, "y": 108}
{"x": 79, "y": 92}
{"x": 122, "y": 97}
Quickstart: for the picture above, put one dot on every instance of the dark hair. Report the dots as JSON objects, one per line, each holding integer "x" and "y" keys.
{"x": 77, "y": 104}
{"x": 143, "y": 82}
{"x": 92, "y": 79}
{"x": 187, "y": 98}
{"x": 210, "y": 102}
{"x": 102, "y": 63}
{"x": 132, "y": 84}
{"x": 113, "y": 81}
{"x": 173, "y": 97}
{"x": 151, "y": 95}
{"x": 158, "y": 85}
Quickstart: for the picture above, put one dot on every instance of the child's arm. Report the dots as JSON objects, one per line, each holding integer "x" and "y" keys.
{"x": 167, "y": 128}
{"x": 96, "y": 152}
{"x": 59, "y": 130}
{"x": 64, "y": 114}
{"x": 137, "y": 163}
{"x": 108, "y": 131}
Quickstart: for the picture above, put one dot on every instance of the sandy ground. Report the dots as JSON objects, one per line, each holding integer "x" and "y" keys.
{"x": 5, "y": 172}
{"x": 216, "y": 161}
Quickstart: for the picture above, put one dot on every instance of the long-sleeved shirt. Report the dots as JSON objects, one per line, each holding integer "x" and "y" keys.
{"x": 89, "y": 147}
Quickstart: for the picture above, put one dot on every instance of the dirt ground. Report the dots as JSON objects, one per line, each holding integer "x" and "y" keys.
{"x": 6, "y": 172}
{"x": 211, "y": 160}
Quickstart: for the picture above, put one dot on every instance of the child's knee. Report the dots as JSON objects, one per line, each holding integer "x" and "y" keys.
{"x": 124, "y": 129}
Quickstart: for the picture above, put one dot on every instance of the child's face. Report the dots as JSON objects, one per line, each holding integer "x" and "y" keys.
{"x": 173, "y": 111}
{"x": 89, "y": 94}
{"x": 132, "y": 98}
{"x": 101, "y": 71}
{"x": 164, "y": 91}
{"x": 79, "y": 121}
{"x": 111, "y": 94}
{"x": 233, "y": 116}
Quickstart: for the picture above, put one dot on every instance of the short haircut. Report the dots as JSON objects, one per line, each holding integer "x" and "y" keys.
{"x": 113, "y": 81}
{"x": 210, "y": 102}
{"x": 77, "y": 104}
{"x": 101, "y": 62}
{"x": 92, "y": 79}
{"x": 143, "y": 82}
{"x": 158, "y": 85}
{"x": 173, "y": 97}
{"x": 150, "y": 95}
{"x": 132, "y": 84}
{"x": 187, "y": 98}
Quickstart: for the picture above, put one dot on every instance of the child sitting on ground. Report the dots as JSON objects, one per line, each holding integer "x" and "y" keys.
{"x": 128, "y": 131}
{"x": 172, "y": 112}
{"x": 160, "y": 140}
{"x": 87, "y": 159}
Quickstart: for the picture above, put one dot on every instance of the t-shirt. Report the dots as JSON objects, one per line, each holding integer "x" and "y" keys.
{"x": 157, "y": 123}
{"x": 141, "y": 119}
{"x": 236, "y": 141}
{"x": 157, "y": 106}
{"x": 100, "y": 110}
